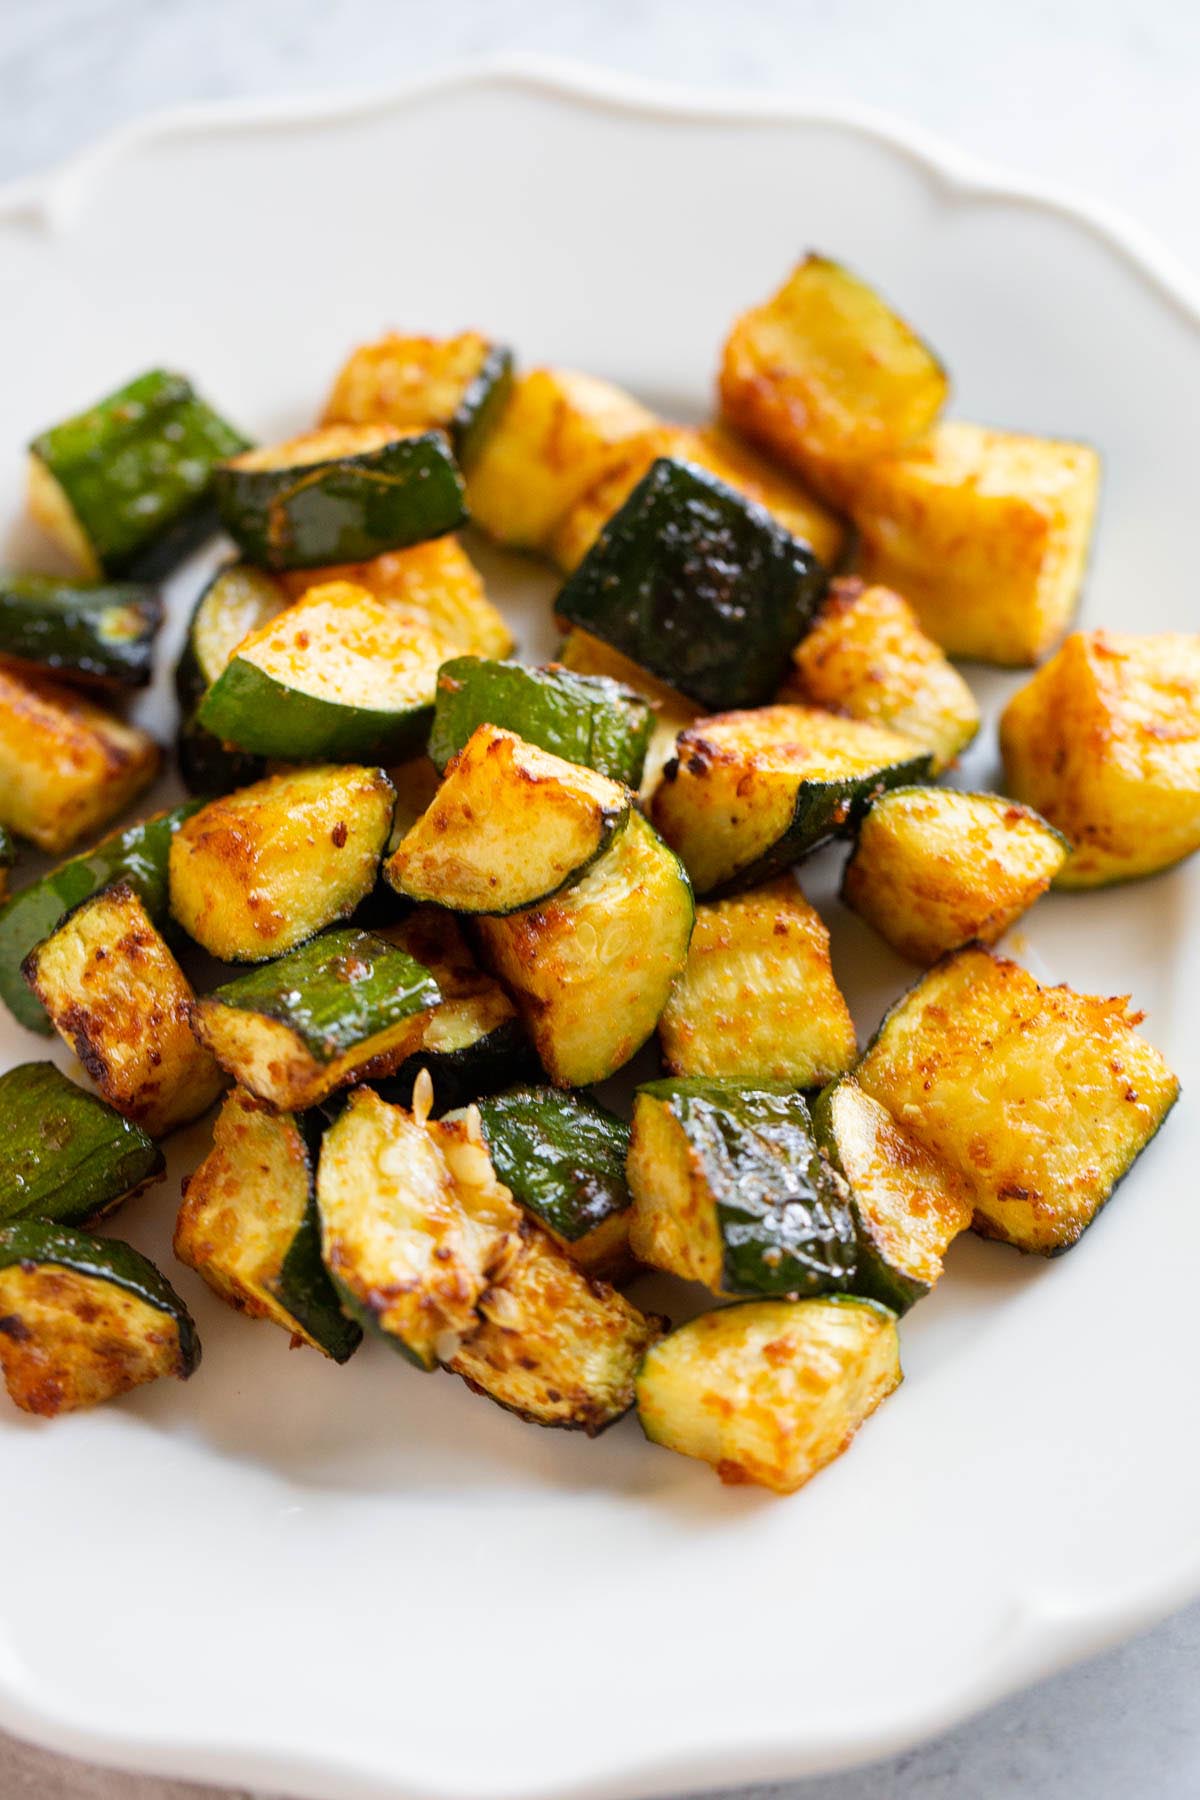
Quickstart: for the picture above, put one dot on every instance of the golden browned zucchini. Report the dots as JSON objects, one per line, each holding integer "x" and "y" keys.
{"x": 1105, "y": 740}
{"x": 435, "y": 585}
{"x": 673, "y": 713}
{"x": 757, "y": 1000}
{"x": 457, "y": 384}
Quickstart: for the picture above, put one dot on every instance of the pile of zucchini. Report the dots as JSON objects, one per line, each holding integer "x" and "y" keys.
{"x": 448, "y": 892}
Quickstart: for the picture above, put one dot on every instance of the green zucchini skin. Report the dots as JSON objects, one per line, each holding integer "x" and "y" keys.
{"x": 698, "y": 585}
{"x": 303, "y": 1284}
{"x": 467, "y": 1074}
{"x": 347, "y": 510}
{"x": 248, "y": 707}
{"x": 562, "y": 1156}
{"x": 137, "y": 470}
{"x": 98, "y": 633}
{"x": 586, "y": 719}
{"x": 137, "y": 855}
{"x": 64, "y": 1155}
{"x": 483, "y": 401}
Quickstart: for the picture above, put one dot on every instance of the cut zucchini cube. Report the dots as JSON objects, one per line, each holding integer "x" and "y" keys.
{"x": 586, "y": 719}
{"x": 102, "y": 634}
{"x": 64, "y": 1154}
{"x": 458, "y": 384}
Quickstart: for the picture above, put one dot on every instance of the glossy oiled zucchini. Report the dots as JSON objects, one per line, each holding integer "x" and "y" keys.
{"x": 64, "y": 1155}
{"x": 249, "y": 1225}
{"x": 1037, "y": 1099}
{"x": 698, "y": 585}
{"x": 84, "y": 1319}
{"x": 771, "y": 1391}
{"x": 509, "y": 826}
{"x": 730, "y": 1189}
{"x": 933, "y": 869}
{"x": 339, "y": 675}
{"x": 458, "y": 383}
{"x": 103, "y": 633}
{"x": 344, "y": 1004}
{"x": 125, "y": 488}
{"x": 1105, "y": 741}
{"x": 586, "y": 719}
{"x": 748, "y": 793}
{"x": 591, "y": 968}
{"x": 257, "y": 872}
{"x": 589, "y": 655}
{"x": 116, "y": 995}
{"x": 757, "y": 1000}
{"x": 907, "y": 1205}
{"x": 435, "y": 585}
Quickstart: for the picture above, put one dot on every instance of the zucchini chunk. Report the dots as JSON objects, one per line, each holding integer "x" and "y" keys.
{"x": 249, "y": 1226}
{"x": 458, "y": 384}
{"x": 414, "y": 1225}
{"x": 64, "y": 1155}
{"x": 555, "y": 433}
{"x": 84, "y": 1319}
{"x": 342, "y": 1006}
{"x": 729, "y": 1188}
{"x": 698, "y": 585}
{"x": 1105, "y": 741}
{"x": 591, "y": 968}
{"x": 586, "y": 719}
{"x": 933, "y": 869}
{"x": 125, "y": 488}
{"x": 509, "y": 826}
{"x": 562, "y": 1156}
{"x": 1037, "y": 1099}
{"x": 66, "y": 766}
{"x": 255, "y": 873}
{"x": 771, "y": 1391}
{"x": 826, "y": 376}
{"x": 866, "y": 656}
{"x": 137, "y": 855}
{"x": 116, "y": 995}
{"x": 588, "y": 655}
{"x": 434, "y": 585}
{"x": 337, "y": 676}
{"x": 103, "y": 633}
{"x": 985, "y": 533}
{"x": 749, "y": 793}
{"x": 757, "y": 1000}
{"x": 907, "y": 1205}
{"x": 343, "y": 494}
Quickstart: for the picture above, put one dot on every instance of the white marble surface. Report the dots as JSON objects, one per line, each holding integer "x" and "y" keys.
{"x": 1096, "y": 95}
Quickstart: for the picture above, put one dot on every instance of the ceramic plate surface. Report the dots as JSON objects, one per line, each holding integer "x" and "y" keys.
{"x": 362, "y": 1582}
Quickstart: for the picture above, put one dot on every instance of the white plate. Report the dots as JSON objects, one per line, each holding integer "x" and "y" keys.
{"x": 363, "y": 1582}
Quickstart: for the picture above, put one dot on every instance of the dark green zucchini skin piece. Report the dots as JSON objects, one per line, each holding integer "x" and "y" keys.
{"x": 483, "y": 401}
{"x": 40, "y": 1241}
{"x": 137, "y": 855}
{"x": 64, "y": 1154}
{"x": 466, "y": 1074}
{"x": 875, "y": 1278}
{"x": 562, "y": 1155}
{"x": 303, "y": 1284}
{"x": 347, "y": 510}
{"x": 209, "y": 767}
{"x": 587, "y": 719}
{"x": 699, "y": 585}
{"x": 137, "y": 469}
{"x": 103, "y": 633}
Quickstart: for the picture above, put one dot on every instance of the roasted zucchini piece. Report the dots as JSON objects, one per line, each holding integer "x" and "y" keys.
{"x": 985, "y": 533}
{"x": 1105, "y": 741}
{"x": 866, "y": 656}
{"x": 510, "y": 825}
{"x": 343, "y": 494}
{"x": 339, "y": 675}
{"x": 934, "y": 869}
{"x": 1038, "y": 1099}
{"x": 249, "y": 1225}
{"x": 585, "y": 719}
{"x": 66, "y": 766}
{"x": 344, "y": 1005}
{"x": 748, "y": 793}
{"x": 771, "y": 1391}
{"x": 116, "y": 995}
{"x": 97, "y": 633}
{"x": 238, "y": 600}
{"x": 698, "y": 585}
{"x": 257, "y": 872}
{"x": 729, "y": 1188}
{"x": 757, "y": 1000}
{"x": 563, "y": 1157}
{"x": 907, "y": 1205}
{"x": 137, "y": 855}
{"x": 435, "y": 585}
{"x": 125, "y": 488}
{"x": 459, "y": 384}
{"x": 555, "y": 434}
{"x": 588, "y": 655}
{"x": 64, "y": 1155}
{"x": 591, "y": 968}
{"x": 84, "y": 1319}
